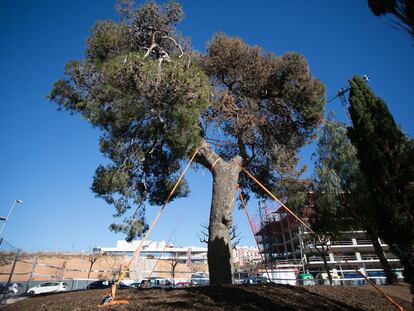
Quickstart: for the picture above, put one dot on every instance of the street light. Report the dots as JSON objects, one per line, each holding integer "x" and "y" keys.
{"x": 8, "y": 215}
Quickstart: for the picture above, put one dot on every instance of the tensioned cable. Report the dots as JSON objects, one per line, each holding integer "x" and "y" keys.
{"x": 251, "y": 227}
{"x": 172, "y": 233}
{"x": 138, "y": 250}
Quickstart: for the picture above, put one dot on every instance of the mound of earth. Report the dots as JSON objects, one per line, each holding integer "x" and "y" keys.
{"x": 235, "y": 297}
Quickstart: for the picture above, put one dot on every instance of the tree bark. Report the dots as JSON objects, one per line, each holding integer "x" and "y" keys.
{"x": 323, "y": 252}
{"x": 325, "y": 263}
{"x": 406, "y": 256}
{"x": 391, "y": 278}
{"x": 225, "y": 179}
{"x": 90, "y": 269}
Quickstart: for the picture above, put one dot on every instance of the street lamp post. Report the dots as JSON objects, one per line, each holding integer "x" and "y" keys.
{"x": 8, "y": 215}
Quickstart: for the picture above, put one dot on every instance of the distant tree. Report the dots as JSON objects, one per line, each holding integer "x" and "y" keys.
{"x": 115, "y": 263}
{"x": 92, "y": 258}
{"x": 343, "y": 201}
{"x": 157, "y": 101}
{"x": 320, "y": 245}
{"x": 325, "y": 219}
{"x": 174, "y": 261}
{"x": 386, "y": 157}
{"x": 402, "y": 11}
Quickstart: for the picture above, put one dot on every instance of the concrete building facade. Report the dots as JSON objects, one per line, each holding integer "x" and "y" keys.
{"x": 157, "y": 257}
{"x": 283, "y": 241}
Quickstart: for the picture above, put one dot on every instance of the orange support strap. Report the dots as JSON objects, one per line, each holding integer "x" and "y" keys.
{"x": 138, "y": 250}
{"x": 251, "y": 227}
{"x": 110, "y": 300}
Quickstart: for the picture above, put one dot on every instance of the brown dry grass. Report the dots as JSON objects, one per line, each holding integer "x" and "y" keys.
{"x": 241, "y": 297}
{"x": 73, "y": 261}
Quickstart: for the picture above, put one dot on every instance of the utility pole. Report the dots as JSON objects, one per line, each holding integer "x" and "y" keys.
{"x": 62, "y": 271}
{"x": 341, "y": 94}
{"x": 12, "y": 270}
{"x": 8, "y": 215}
{"x": 81, "y": 260}
{"x": 32, "y": 272}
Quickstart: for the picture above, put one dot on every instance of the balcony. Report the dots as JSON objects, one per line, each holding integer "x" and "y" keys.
{"x": 334, "y": 243}
{"x": 364, "y": 242}
{"x": 370, "y": 257}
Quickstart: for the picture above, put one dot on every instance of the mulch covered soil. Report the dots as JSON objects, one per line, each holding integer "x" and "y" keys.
{"x": 236, "y": 297}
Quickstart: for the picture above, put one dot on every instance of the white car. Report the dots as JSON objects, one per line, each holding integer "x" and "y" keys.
{"x": 200, "y": 278}
{"x": 48, "y": 287}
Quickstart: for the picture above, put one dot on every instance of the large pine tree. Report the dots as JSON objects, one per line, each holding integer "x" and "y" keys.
{"x": 386, "y": 157}
{"x": 157, "y": 101}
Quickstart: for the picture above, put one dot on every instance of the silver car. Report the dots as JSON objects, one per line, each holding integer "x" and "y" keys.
{"x": 48, "y": 287}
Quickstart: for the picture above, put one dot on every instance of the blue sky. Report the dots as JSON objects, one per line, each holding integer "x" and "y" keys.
{"x": 48, "y": 158}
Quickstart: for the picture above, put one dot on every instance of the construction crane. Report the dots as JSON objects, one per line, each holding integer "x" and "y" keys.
{"x": 341, "y": 94}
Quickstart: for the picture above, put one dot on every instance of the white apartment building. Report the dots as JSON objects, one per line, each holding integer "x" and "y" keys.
{"x": 156, "y": 249}
{"x": 189, "y": 254}
{"x": 245, "y": 254}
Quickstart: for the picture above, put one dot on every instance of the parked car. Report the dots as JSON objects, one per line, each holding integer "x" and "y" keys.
{"x": 99, "y": 284}
{"x": 183, "y": 284}
{"x": 122, "y": 285}
{"x": 156, "y": 283}
{"x": 135, "y": 285}
{"x": 239, "y": 277}
{"x": 48, "y": 287}
{"x": 200, "y": 278}
{"x": 11, "y": 288}
{"x": 256, "y": 280}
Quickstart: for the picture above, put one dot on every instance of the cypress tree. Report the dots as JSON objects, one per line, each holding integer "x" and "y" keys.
{"x": 386, "y": 157}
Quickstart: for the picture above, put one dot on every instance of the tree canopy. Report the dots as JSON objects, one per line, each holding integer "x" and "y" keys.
{"x": 401, "y": 10}
{"x": 267, "y": 106}
{"x": 156, "y": 100}
{"x": 336, "y": 179}
{"x": 386, "y": 157}
{"x": 343, "y": 201}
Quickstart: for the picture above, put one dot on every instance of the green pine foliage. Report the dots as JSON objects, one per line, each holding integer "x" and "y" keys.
{"x": 340, "y": 198}
{"x": 402, "y": 12}
{"x": 156, "y": 100}
{"x": 150, "y": 118}
{"x": 268, "y": 105}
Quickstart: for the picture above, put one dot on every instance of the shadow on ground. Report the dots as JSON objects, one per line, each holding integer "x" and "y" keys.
{"x": 232, "y": 297}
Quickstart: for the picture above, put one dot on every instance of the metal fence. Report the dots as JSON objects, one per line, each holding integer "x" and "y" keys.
{"x": 30, "y": 269}
{"x": 26, "y": 270}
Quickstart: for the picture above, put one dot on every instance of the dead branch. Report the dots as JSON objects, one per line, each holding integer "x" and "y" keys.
{"x": 163, "y": 55}
{"x": 204, "y": 234}
{"x": 235, "y": 236}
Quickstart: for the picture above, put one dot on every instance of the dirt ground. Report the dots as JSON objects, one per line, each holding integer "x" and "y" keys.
{"x": 240, "y": 297}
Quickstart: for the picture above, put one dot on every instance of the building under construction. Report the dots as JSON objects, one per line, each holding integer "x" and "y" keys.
{"x": 285, "y": 242}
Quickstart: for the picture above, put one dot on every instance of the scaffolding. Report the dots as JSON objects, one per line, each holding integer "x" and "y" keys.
{"x": 286, "y": 242}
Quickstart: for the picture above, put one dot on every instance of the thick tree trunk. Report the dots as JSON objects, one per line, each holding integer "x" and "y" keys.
{"x": 406, "y": 256}
{"x": 225, "y": 178}
{"x": 391, "y": 278}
